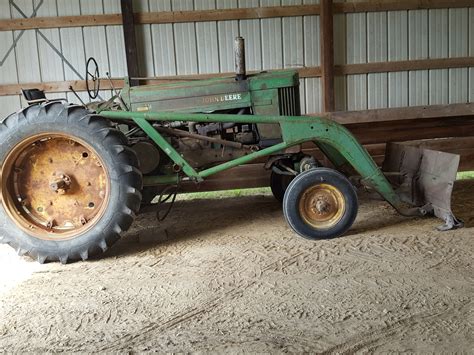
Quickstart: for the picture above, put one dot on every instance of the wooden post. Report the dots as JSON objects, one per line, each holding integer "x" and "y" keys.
{"x": 130, "y": 40}
{"x": 327, "y": 55}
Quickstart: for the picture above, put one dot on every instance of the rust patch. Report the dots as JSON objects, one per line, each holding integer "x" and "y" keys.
{"x": 55, "y": 186}
{"x": 322, "y": 206}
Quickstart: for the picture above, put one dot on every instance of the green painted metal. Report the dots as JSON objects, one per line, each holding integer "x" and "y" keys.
{"x": 340, "y": 140}
{"x": 295, "y": 130}
{"x": 166, "y": 147}
{"x": 161, "y": 180}
{"x": 242, "y": 160}
{"x": 333, "y": 155}
{"x": 211, "y": 94}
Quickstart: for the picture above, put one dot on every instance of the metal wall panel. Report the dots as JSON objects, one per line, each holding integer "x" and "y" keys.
{"x": 471, "y": 53}
{"x": 458, "y": 47}
{"x": 356, "y": 37}
{"x": 293, "y": 42}
{"x": 26, "y": 50}
{"x": 227, "y": 31}
{"x": 51, "y": 64}
{"x": 418, "y": 49}
{"x": 340, "y": 92}
{"x": 115, "y": 42}
{"x": 272, "y": 39}
{"x": 72, "y": 47}
{"x": 438, "y": 48}
{"x": 185, "y": 41}
{"x": 377, "y": 46}
{"x": 205, "y": 47}
{"x": 144, "y": 42}
{"x": 163, "y": 41}
{"x": 311, "y": 45}
{"x": 397, "y": 50}
{"x": 206, "y": 37}
{"x": 95, "y": 43}
{"x": 251, "y": 31}
{"x": 8, "y": 70}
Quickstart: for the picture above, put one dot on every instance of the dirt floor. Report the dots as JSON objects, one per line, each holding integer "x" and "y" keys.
{"x": 229, "y": 275}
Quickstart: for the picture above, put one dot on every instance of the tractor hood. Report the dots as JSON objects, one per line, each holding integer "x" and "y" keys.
{"x": 205, "y": 95}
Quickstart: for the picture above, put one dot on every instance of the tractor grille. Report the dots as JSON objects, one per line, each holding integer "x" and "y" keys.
{"x": 289, "y": 101}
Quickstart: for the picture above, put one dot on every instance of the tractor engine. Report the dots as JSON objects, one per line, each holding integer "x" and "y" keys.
{"x": 207, "y": 144}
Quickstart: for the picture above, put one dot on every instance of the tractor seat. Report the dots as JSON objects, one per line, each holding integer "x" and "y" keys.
{"x": 33, "y": 96}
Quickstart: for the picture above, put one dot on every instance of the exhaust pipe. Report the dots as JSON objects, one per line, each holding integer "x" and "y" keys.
{"x": 239, "y": 51}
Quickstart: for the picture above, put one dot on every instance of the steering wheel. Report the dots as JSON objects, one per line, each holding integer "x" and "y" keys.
{"x": 92, "y": 78}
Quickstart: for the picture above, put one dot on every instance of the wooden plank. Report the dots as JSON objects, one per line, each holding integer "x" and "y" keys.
{"x": 225, "y": 14}
{"x": 403, "y": 65}
{"x": 61, "y": 22}
{"x": 327, "y": 55}
{"x": 381, "y": 132}
{"x": 403, "y": 113}
{"x": 131, "y": 49}
{"x": 161, "y": 17}
{"x": 384, "y": 5}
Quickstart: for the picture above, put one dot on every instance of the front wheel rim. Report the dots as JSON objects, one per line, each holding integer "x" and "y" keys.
{"x": 322, "y": 206}
{"x": 54, "y": 186}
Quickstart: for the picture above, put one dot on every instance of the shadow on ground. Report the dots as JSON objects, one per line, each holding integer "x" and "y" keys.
{"x": 189, "y": 219}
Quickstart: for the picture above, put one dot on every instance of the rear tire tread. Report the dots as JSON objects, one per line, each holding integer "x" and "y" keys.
{"x": 129, "y": 177}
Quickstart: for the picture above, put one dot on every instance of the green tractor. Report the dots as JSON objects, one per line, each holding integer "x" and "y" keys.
{"x": 73, "y": 177}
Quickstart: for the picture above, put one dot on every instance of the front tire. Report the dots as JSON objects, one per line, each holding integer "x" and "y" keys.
{"x": 278, "y": 184}
{"x": 69, "y": 185}
{"x": 320, "y": 203}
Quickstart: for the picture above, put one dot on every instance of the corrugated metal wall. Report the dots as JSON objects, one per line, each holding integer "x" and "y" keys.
{"x": 206, "y": 47}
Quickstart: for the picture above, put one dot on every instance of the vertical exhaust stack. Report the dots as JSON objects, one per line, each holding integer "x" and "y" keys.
{"x": 239, "y": 51}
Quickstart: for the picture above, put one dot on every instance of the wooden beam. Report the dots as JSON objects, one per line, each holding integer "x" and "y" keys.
{"x": 60, "y": 22}
{"x": 405, "y": 65}
{"x": 161, "y": 17}
{"x": 388, "y": 5}
{"x": 382, "y": 132}
{"x": 131, "y": 50}
{"x": 403, "y": 113}
{"x": 225, "y": 14}
{"x": 327, "y": 55}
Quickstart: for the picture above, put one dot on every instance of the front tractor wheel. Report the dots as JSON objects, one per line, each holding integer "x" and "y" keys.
{"x": 69, "y": 183}
{"x": 320, "y": 203}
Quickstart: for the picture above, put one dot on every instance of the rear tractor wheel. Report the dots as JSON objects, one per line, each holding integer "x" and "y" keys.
{"x": 320, "y": 203}
{"x": 69, "y": 183}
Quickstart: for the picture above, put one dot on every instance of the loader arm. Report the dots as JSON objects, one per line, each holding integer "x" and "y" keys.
{"x": 337, "y": 142}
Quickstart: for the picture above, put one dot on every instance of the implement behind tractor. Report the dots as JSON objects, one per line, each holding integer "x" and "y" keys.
{"x": 73, "y": 177}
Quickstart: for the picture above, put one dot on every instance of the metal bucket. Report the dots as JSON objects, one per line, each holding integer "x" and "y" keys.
{"x": 424, "y": 178}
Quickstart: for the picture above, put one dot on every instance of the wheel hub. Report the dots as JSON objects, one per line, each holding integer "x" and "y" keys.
{"x": 60, "y": 183}
{"x": 55, "y": 186}
{"x": 322, "y": 206}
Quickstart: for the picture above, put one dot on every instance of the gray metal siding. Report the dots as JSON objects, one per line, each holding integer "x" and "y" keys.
{"x": 193, "y": 48}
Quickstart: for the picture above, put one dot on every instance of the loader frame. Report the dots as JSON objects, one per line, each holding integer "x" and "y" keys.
{"x": 337, "y": 143}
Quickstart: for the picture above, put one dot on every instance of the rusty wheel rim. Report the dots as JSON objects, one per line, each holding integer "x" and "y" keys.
{"x": 54, "y": 186}
{"x": 322, "y": 206}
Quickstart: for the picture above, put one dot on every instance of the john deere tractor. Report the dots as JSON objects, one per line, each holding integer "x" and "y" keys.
{"x": 73, "y": 177}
